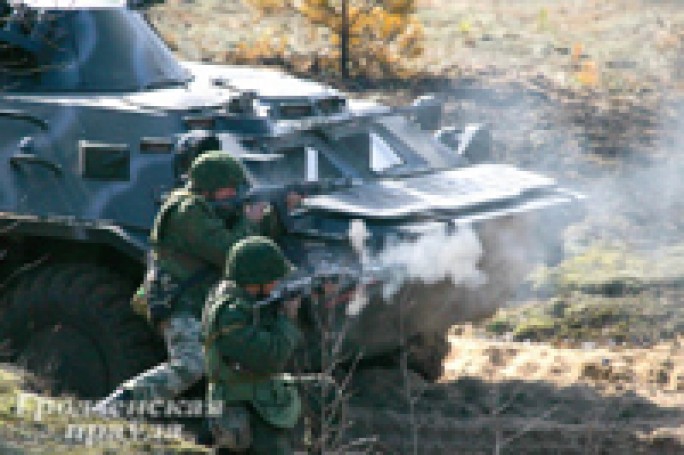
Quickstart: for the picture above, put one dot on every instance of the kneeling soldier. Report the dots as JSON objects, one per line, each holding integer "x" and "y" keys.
{"x": 246, "y": 350}
{"x": 190, "y": 241}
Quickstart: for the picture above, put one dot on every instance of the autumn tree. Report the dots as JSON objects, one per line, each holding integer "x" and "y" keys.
{"x": 367, "y": 37}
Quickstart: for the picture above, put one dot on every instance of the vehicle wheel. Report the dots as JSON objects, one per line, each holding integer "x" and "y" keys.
{"x": 72, "y": 325}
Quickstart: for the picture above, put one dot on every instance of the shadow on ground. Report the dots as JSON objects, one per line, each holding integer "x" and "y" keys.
{"x": 474, "y": 416}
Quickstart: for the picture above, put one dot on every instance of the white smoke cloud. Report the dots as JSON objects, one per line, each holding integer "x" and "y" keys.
{"x": 430, "y": 259}
{"x": 435, "y": 257}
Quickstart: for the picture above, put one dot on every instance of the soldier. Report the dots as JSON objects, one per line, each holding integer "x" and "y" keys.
{"x": 190, "y": 239}
{"x": 246, "y": 351}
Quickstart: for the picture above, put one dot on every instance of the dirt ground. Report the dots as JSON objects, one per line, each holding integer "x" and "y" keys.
{"x": 524, "y": 398}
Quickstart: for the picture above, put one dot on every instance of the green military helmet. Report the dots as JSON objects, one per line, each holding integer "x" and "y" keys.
{"x": 256, "y": 260}
{"x": 213, "y": 170}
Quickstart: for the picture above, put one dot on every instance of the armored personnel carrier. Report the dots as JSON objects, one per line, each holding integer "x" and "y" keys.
{"x": 93, "y": 108}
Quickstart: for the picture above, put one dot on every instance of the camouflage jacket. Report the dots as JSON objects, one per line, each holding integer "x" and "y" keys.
{"x": 189, "y": 236}
{"x": 245, "y": 354}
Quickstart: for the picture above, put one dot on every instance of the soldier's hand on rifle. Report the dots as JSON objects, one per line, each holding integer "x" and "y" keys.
{"x": 256, "y": 212}
{"x": 291, "y": 308}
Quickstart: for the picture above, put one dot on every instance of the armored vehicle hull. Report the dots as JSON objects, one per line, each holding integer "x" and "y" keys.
{"x": 89, "y": 142}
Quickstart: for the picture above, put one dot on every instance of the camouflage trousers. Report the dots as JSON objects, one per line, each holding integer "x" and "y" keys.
{"x": 184, "y": 367}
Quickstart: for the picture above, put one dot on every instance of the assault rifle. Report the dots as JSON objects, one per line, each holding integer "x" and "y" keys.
{"x": 276, "y": 195}
{"x": 305, "y": 285}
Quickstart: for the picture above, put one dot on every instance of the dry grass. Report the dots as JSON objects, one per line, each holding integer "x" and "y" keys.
{"x": 602, "y": 395}
{"x": 655, "y": 374}
{"x": 616, "y": 45}
{"x": 503, "y": 397}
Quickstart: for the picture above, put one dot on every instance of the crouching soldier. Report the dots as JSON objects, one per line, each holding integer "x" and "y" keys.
{"x": 246, "y": 351}
{"x": 190, "y": 239}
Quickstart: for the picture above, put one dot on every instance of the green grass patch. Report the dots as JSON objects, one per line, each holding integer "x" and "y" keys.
{"x": 642, "y": 319}
{"x": 613, "y": 270}
{"x": 607, "y": 293}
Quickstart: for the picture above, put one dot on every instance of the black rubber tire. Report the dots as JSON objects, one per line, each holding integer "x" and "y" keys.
{"x": 72, "y": 325}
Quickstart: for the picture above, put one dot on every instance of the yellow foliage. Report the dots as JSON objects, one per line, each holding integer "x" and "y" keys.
{"x": 577, "y": 50}
{"x": 399, "y": 7}
{"x": 465, "y": 27}
{"x": 588, "y": 74}
{"x": 258, "y": 51}
{"x": 270, "y": 6}
{"x": 380, "y": 34}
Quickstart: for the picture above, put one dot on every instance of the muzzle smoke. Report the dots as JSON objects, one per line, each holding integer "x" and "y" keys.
{"x": 430, "y": 259}
{"x": 433, "y": 258}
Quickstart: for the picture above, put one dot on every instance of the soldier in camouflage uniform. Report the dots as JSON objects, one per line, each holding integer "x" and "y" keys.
{"x": 246, "y": 351}
{"x": 190, "y": 239}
